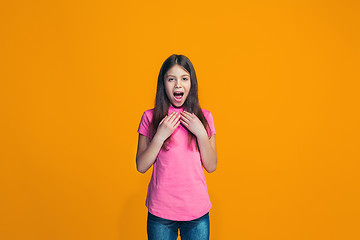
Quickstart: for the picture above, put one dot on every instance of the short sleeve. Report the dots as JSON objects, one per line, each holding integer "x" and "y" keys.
{"x": 144, "y": 125}
{"x": 210, "y": 120}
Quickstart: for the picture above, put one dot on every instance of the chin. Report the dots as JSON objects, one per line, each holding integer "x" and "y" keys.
{"x": 178, "y": 104}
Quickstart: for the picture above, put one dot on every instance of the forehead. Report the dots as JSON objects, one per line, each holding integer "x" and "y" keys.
{"x": 177, "y": 70}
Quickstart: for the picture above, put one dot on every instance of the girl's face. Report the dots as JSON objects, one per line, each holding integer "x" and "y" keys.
{"x": 177, "y": 85}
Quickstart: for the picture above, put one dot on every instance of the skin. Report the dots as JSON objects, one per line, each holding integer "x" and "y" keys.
{"x": 176, "y": 78}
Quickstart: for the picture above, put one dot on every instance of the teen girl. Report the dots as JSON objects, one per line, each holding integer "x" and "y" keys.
{"x": 177, "y": 137}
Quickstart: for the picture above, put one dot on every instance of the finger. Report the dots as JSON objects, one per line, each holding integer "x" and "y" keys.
{"x": 173, "y": 117}
{"x": 176, "y": 120}
{"x": 169, "y": 119}
{"x": 183, "y": 122}
{"x": 177, "y": 124}
{"x": 178, "y": 115}
{"x": 163, "y": 119}
{"x": 189, "y": 115}
{"x": 185, "y": 119}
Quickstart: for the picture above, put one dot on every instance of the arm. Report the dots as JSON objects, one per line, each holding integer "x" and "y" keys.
{"x": 208, "y": 152}
{"x": 147, "y": 152}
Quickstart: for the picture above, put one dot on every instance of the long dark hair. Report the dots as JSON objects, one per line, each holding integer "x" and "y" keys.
{"x": 191, "y": 104}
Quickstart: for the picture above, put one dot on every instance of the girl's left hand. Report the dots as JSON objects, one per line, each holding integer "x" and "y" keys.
{"x": 193, "y": 123}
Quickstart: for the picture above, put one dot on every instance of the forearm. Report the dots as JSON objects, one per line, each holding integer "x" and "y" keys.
{"x": 148, "y": 156}
{"x": 208, "y": 154}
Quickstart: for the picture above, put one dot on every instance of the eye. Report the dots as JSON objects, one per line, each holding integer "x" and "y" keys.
{"x": 185, "y": 78}
{"x": 170, "y": 79}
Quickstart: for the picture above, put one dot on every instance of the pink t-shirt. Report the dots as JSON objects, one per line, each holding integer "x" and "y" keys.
{"x": 177, "y": 189}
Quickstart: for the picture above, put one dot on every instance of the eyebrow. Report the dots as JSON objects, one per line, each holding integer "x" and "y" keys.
{"x": 181, "y": 75}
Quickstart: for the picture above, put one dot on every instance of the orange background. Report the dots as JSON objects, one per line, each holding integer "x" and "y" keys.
{"x": 281, "y": 79}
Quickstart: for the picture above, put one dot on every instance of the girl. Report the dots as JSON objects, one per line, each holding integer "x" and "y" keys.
{"x": 177, "y": 137}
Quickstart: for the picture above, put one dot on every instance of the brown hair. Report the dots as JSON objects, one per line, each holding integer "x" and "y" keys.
{"x": 191, "y": 104}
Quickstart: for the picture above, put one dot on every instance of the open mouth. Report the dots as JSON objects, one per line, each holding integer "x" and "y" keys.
{"x": 178, "y": 96}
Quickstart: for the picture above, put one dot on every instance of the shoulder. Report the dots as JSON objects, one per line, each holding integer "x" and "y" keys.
{"x": 208, "y": 116}
{"x": 149, "y": 112}
{"x": 206, "y": 113}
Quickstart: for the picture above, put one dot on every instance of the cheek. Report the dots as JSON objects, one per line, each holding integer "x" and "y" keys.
{"x": 168, "y": 93}
{"x": 167, "y": 89}
{"x": 189, "y": 87}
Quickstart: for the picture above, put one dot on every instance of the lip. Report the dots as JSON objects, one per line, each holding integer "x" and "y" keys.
{"x": 178, "y": 99}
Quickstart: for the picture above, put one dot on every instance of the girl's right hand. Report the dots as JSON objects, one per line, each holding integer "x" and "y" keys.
{"x": 168, "y": 125}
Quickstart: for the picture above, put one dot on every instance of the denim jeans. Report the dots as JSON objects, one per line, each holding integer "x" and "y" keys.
{"x": 163, "y": 229}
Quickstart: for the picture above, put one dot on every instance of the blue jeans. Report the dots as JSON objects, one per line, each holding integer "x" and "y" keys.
{"x": 163, "y": 229}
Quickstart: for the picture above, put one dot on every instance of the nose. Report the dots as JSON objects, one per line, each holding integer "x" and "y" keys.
{"x": 178, "y": 83}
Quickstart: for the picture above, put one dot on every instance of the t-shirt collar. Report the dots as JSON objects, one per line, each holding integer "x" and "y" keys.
{"x": 176, "y": 109}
